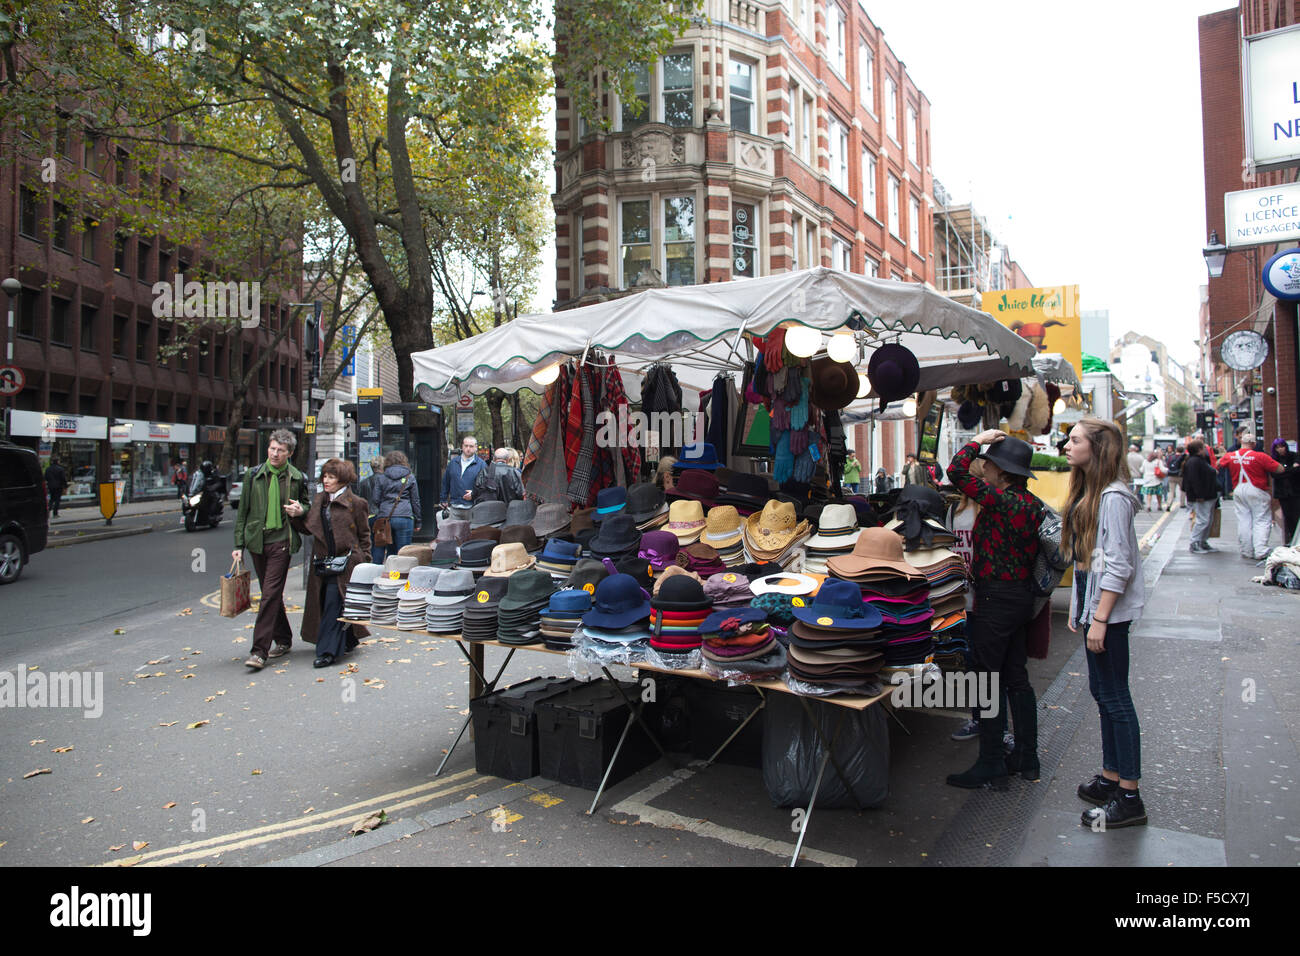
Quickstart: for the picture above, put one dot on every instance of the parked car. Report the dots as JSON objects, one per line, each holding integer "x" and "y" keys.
{"x": 24, "y": 511}
{"x": 233, "y": 495}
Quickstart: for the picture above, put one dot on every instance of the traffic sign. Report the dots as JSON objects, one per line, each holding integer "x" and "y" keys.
{"x": 465, "y": 401}
{"x": 12, "y": 380}
{"x": 310, "y": 428}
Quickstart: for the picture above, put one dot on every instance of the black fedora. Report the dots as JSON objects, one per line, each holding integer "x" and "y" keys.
{"x": 894, "y": 373}
{"x": 1011, "y": 455}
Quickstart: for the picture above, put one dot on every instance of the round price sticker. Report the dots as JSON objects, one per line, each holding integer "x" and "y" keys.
{"x": 482, "y": 597}
{"x": 589, "y": 588}
{"x": 395, "y": 575}
{"x": 797, "y": 602}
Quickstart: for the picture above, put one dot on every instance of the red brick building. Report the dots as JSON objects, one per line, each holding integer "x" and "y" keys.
{"x": 776, "y": 136}
{"x": 1238, "y": 300}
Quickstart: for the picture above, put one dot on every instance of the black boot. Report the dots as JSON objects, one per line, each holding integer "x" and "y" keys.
{"x": 1024, "y": 712}
{"x": 991, "y": 767}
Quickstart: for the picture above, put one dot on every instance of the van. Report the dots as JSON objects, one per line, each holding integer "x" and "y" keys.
{"x": 24, "y": 512}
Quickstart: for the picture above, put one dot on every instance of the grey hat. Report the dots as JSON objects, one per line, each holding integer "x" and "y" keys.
{"x": 402, "y": 564}
{"x": 488, "y": 513}
{"x": 550, "y": 518}
{"x": 520, "y": 512}
{"x": 451, "y": 529}
{"x": 452, "y": 588}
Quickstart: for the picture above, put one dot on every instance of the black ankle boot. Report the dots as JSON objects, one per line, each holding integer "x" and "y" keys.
{"x": 1024, "y": 713}
{"x": 991, "y": 768}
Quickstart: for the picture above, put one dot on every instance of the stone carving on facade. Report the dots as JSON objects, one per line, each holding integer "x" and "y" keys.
{"x": 755, "y": 156}
{"x": 661, "y": 148}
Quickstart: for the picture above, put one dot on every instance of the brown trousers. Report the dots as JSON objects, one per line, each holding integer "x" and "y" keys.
{"x": 272, "y": 567}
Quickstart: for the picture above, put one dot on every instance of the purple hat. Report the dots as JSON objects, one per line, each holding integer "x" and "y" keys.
{"x": 894, "y": 373}
{"x": 659, "y": 548}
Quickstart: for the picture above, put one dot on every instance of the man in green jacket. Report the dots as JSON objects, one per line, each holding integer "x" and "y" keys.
{"x": 852, "y": 472}
{"x": 274, "y": 492}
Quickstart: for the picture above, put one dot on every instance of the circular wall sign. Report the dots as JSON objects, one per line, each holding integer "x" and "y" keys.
{"x": 1244, "y": 350}
{"x": 1282, "y": 275}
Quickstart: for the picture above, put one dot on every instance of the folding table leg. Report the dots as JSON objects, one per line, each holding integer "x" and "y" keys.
{"x": 488, "y": 687}
{"x": 634, "y": 715}
{"x": 762, "y": 702}
{"x": 807, "y": 817}
{"x": 844, "y": 778}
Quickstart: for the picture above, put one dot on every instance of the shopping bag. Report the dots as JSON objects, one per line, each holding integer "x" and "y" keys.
{"x": 234, "y": 590}
{"x": 1216, "y": 521}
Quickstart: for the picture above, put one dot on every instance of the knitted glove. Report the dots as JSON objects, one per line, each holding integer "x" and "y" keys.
{"x": 773, "y": 346}
{"x": 798, "y": 441}
{"x": 783, "y": 460}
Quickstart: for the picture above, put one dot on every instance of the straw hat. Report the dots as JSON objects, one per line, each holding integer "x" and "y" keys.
{"x": 509, "y": 558}
{"x": 686, "y": 520}
{"x": 722, "y": 526}
{"x": 771, "y": 530}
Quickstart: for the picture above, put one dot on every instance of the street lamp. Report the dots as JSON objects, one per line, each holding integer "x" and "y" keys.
{"x": 12, "y": 288}
{"x": 1215, "y": 253}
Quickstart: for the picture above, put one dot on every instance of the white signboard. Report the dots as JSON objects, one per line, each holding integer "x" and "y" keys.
{"x": 1270, "y": 67}
{"x": 142, "y": 431}
{"x": 50, "y": 427}
{"x": 1254, "y": 217}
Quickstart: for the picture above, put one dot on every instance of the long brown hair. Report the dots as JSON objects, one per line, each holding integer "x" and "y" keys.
{"x": 1105, "y": 465}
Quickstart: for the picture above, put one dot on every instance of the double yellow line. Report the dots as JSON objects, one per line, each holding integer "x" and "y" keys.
{"x": 215, "y": 846}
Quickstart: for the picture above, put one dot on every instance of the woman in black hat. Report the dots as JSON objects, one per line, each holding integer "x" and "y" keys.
{"x": 1005, "y": 545}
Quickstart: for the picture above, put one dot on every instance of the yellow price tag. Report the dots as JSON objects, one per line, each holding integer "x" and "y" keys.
{"x": 797, "y": 602}
{"x": 395, "y": 575}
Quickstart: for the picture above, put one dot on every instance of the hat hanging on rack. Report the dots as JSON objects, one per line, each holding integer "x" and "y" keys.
{"x": 894, "y": 373}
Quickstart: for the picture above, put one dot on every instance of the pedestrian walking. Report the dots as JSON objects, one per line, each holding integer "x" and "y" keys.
{"x": 1098, "y": 533}
{"x": 56, "y": 483}
{"x": 396, "y": 498}
{"x": 499, "y": 481}
{"x": 852, "y": 473}
{"x": 1005, "y": 546}
{"x": 1152, "y": 474}
{"x": 1201, "y": 486}
{"x": 274, "y": 493}
{"x": 1135, "y": 462}
{"x": 1286, "y": 488}
{"x": 337, "y": 523}
{"x": 1174, "y": 470}
{"x": 913, "y": 472}
{"x": 180, "y": 478}
{"x": 1248, "y": 471}
{"x": 459, "y": 476}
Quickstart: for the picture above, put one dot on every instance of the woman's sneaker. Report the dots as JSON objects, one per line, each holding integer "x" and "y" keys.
{"x": 1098, "y": 790}
{"x": 967, "y": 731}
{"x": 1124, "y": 809}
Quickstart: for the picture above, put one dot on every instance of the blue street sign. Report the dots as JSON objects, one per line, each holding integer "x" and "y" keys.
{"x": 349, "y": 336}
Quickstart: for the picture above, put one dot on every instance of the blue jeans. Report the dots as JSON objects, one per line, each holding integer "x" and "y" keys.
{"x": 1121, "y": 737}
{"x": 403, "y": 531}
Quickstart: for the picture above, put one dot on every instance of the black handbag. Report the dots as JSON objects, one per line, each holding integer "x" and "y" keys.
{"x": 336, "y": 564}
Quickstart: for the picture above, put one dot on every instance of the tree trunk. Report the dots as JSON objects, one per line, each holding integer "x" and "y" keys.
{"x": 516, "y": 426}
{"x": 495, "y": 399}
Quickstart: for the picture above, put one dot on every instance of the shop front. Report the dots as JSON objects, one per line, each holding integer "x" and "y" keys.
{"x": 211, "y": 439}
{"x": 72, "y": 440}
{"x": 146, "y": 457}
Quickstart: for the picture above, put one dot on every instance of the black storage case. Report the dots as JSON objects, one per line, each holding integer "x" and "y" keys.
{"x": 505, "y": 726}
{"x": 577, "y": 733}
{"x": 716, "y": 710}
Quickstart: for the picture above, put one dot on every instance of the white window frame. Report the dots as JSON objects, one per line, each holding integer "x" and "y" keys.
{"x": 813, "y": 235}
{"x": 623, "y": 282}
{"x": 866, "y": 77}
{"x": 796, "y": 242}
{"x": 841, "y": 254}
{"x": 839, "y": 150}
{"x": 836, "y": 42}
{"x": 891, "y": 109}
{"x": 807, "y": 129}
{"x": 869, "y": 171}
{"x": 655, "y": 112}
{"x": 753, "y": 93}
{"x": 894, "y": 228}
{"x": 914, "y": 224}
{"x": 871, "y": 267}
{"x": 912, "y": 137}
{"x": 663, "y": 244}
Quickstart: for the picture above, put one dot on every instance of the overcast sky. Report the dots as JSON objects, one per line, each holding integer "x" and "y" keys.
{"x": 1076, "y": 131}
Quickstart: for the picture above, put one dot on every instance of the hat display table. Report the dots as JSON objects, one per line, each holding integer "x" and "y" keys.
{"x": 480, "y": 685}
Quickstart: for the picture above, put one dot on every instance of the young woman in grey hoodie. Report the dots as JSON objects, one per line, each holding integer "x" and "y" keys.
{"x": 1098, "y": 532}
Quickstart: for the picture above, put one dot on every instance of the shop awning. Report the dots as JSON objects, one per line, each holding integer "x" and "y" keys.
{"x": 1053, "y": 367}
{"x": 699, "y": 330}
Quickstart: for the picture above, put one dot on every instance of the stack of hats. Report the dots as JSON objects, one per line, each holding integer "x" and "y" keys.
{"x": 518, "y": 614}
{"x": 412, "y": 601}
{"x": 918, "y": 517}
{"x": 746, "y": 493}
{"x": 701, "y": 559}
{"x": 646, "y": 505}
{"x": 686, "y": 521}
{"x": 488, "y": 514}
{"x": 558, "y": 557}
{"x": 453, "y": 530}
{"x": 835, "y": 641}
{"x": 837, "y": 533}
{"x": 677, "y": 610}
{"x": 617, "y": 538}
{"x": 401, "y": 565}
{"x": 773, "y": 533}
{"x": 508, "y": 559}
{"x": 550, "y": 519}
{"x": 445, "y": 555}
{"x": 561, "y": 617}
{"x": 520, "y": 511}
{"x": 356, "y": 600}
{"x": 422, "y": 553}
{"x": 610, "y": 501}
{"x": 699, "y": 486}
{"x": 740, "y": 639}
{"x": 895, "y": 589}
{"x": 384, "y": 595}
{"x": 476, "y": 556}
{"x": 444, "y": 607}
{"x": 619, "y": 615}
{"x": 723, "y": 531}
{"x": 659, "y": 549}
{"x": 587, "y": 575}
{"x": 521, "y": 534}
{"x": 946, "y": 574}
{"x": 728, "y": 590}
{"x": 480, "y": 618}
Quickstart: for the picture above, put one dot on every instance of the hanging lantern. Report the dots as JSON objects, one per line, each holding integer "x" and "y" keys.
{"x": 909, "y": 408}
{"x": 801, "y": 341}
{"x": 842, "y": 347}
{"x": 864, "y": 386}
{"x": 547, "y": 375}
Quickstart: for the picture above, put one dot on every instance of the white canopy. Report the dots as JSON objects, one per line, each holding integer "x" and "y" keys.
{"x": 698, "y": 330}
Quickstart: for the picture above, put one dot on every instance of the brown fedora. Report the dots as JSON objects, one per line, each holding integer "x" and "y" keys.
{"x": 834, "y": 384}
{"x": 877, "y": 550}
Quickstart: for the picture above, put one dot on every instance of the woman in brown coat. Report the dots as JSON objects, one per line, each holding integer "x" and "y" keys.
{"x": 323, "y": 605}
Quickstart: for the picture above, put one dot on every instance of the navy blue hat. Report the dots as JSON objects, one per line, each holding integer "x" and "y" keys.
{"x": 609, "y": 501}
{"x": 698, "y": 455}
{"x": 572, "y": 600}
{"x": 893, "y": 372}
{"x": 618, "y": 603}
{"x": 839, "y": 606}
{"x": 558, "y": 550}
{"x": 741, "y": 615}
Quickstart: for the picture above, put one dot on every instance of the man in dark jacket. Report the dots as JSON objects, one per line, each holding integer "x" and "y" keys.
{"x": 499, "y": 481}
{"x": 461, "y": 473}
{"x": 1201, "y": 487}
{"x": 56, "y": 482}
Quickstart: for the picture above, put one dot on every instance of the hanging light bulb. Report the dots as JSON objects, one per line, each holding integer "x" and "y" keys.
{"x": 802, "y": 341}
{"x": 864, "y": 385}
{"x": 547, "y": 375}
{"x": 1059, "y": 406}
{"x": 909, "y": 407}
{"x": 842, "y": 346}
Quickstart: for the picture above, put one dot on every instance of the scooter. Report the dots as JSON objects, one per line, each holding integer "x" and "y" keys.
{"x": 205, "y": 504}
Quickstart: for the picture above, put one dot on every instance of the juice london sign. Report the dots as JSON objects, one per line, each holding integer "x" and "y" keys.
{"x": 1048, "y": 317}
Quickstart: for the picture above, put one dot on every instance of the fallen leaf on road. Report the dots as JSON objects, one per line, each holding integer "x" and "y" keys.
{"x": 257, "y": 773}
{"x": 143, "y": 676}
{"x": 388, "y": 640}
{"x": 187, "y": 677}
{"x": 161, "y": 660}
{"x": 320, "y": 680}
{"x": 309, "y": 810}
{"x": 220, "y": 692}
{"x": 168, "y": 806}
{"x": 403, "y": 660}
{"x": 115, "y": 789}
{"x": 463, "y": 712}
{"x": 139, "y": 845}
{"x": 37, "y": 773}
{"x": 196, "y": 724}
{"x": 194, "y": 652}
{"x": 157, "y": 674}
{"x": 35, "y": 742}
{"x": 170, "y": 723}
{"x": 368, "y": 823}
{"x": 278, "y": 672}
{"x": 119, "y": 630}
{"x": 114, "y": 849}
{"x": 185, "y": 611}
{"x": 208, "y": 700}
{"x": 88, "y": 820}
{"x": 61, "y": 750}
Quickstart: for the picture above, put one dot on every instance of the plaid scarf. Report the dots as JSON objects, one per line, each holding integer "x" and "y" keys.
{"x": 548, "y": 478}
{"x": 581, "y": 491}
{"x": 541, "y": 425}
{"x": 616, "y": 395}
